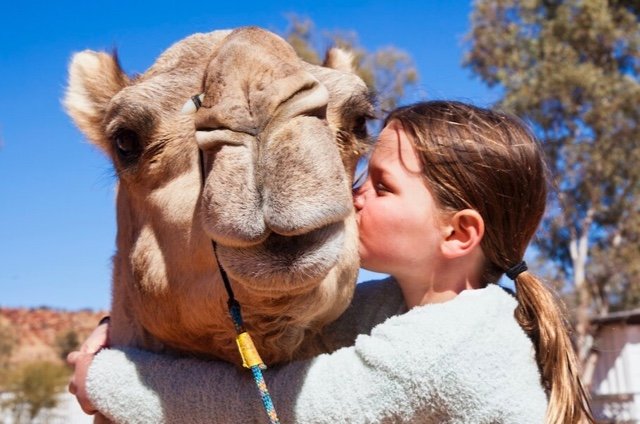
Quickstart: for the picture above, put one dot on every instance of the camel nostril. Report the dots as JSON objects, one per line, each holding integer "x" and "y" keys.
{"x": 310, "y": 100}
{"x": 211, "y": 139}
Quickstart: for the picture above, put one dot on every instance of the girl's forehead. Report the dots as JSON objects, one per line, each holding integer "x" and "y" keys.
{"x": 392, "y": 141}
{"x": 385, "y": 151}
{"x": 394, "y": 146}
{"x": 389, "y": 139}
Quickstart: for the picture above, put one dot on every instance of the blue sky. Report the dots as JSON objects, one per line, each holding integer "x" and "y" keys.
{"x": 57, "y": 222}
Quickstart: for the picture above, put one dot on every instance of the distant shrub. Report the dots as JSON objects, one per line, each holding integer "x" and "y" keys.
{"x": 35, "y": 387}
{"x": 8, "y": 341}
{"x": 66, "y": 342}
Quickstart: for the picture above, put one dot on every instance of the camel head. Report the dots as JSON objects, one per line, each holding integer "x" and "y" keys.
{"x": 278, "y": 140}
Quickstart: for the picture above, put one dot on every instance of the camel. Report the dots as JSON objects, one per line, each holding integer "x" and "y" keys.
{"x": 279, "y": 139}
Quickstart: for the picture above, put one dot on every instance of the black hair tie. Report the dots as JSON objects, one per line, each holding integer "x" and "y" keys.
{"x": 516, "y": 270}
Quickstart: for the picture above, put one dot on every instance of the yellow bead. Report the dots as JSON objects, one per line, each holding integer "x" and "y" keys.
{"x": 248, "y": 351}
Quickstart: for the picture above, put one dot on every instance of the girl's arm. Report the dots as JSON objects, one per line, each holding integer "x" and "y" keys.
{"x": 133, "y": 386}
{"x": 465, "y": 360}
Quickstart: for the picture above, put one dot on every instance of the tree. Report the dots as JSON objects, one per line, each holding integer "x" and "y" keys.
{"x": 388, "y": 71}
{"x": 571, "y": 69}
{"x": 35, "y": 387}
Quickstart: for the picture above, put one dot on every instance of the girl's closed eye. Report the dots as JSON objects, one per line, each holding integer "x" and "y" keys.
{"x": 383, "y": 182}
{"x": 381, "y": 188}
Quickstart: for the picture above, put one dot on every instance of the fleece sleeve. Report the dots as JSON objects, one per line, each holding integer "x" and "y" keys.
{"x": 134, "y": 386}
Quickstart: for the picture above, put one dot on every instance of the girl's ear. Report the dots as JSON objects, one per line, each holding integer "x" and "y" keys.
{"x": 463, "y": 232}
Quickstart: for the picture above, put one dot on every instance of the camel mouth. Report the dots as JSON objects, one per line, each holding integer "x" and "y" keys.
{"x": 286, "y": 262}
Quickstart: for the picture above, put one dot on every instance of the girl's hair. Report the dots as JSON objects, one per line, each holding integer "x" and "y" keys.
{"x": 475, "y": 158}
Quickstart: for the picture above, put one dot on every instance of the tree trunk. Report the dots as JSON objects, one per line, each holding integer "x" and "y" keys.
{"x": 579, "y": 249}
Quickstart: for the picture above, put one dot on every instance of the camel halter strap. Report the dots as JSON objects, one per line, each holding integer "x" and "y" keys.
{"x": 248, "y": 352}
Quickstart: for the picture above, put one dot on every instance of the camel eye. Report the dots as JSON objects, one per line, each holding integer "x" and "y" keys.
{"x": 360, "y": 127}
{"x": 127, "y": 145}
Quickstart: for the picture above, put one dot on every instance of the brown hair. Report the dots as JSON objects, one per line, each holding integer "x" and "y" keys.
{"x": 489, "y": 161}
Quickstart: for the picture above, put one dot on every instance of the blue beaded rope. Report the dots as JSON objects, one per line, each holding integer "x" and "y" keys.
{"x": 264, "y": 394}
{"x": 258, "y": 378}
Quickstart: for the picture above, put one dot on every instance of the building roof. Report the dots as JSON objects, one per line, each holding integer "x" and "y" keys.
{"x": 624, "y": 317}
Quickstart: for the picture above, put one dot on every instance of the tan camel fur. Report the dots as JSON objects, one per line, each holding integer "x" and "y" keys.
{"x": 280, "y": 139}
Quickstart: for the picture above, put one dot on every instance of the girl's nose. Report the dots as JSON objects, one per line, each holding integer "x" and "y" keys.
{"x": 359, "y": 197}
{"x": 358, "y": 201}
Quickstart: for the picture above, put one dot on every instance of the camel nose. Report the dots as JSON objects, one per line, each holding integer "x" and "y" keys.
{"x": 312, "y": 190}
{"x": 272, "y": 160}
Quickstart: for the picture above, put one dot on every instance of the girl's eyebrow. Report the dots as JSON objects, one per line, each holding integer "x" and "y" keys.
{"x": 381, "y": 173}
{"x": 374, "y": 166}
{"x": 377, "y": 162}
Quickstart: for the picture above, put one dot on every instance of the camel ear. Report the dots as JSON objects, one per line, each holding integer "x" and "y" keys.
{"x": 94, "y": 78}
{"x": 340, "y": 60}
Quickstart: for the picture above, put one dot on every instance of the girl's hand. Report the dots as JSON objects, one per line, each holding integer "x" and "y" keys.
{"x": 81, "y": 360}
{"x": 77, "y": 386}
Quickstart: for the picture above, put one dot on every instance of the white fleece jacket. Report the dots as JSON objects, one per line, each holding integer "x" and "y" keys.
{"x": 463, "y": 361}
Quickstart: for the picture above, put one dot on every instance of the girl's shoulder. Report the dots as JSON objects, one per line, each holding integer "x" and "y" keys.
{"x": 485, "y": 310}
{"x": 473, "y": 345}
{"x": 476, "y": 330}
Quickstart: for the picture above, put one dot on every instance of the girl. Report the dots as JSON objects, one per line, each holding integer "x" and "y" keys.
{"x": 453, "y": 197}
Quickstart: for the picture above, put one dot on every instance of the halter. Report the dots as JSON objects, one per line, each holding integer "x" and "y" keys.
{"x": 248, "y": 352}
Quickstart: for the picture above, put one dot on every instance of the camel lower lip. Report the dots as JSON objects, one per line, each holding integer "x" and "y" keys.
{"x": 291, "y": 261}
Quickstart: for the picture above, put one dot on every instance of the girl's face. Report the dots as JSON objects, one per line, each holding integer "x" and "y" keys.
{"x": 397, "y": 216}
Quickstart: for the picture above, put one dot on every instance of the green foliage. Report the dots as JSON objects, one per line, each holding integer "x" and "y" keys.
{"x": 66, "y": 342}
{"x": 389, "y": 71}
{"x": 571, "y": 69}
{"x": 35, "y": 387}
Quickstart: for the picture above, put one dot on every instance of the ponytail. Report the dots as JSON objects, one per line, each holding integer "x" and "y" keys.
{"x": 491, "y": 162}
{"x": 541, "y": 317}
